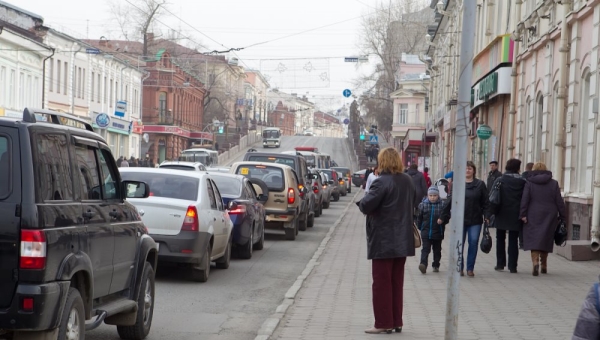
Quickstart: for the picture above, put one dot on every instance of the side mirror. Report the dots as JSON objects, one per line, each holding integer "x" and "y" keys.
{"x": 305, "y": 190}
{"x": 232, "y": 205}
{"x": 135, "y": 189}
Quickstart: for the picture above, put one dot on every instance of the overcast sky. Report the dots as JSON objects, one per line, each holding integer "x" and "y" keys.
{"x": 240, "y": 23}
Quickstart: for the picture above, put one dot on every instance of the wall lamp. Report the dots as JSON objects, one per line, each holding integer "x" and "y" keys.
{"x": 440, "y": 8}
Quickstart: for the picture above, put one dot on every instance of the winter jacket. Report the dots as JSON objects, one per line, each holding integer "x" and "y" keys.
{"x": 476, "y": 204}
{"x": 542, "y": 204}
{"x": 427, "y": 217}
{"x": 511, "y": 191}
{"x": 427, "y": 179}
{"x": 389, "y": 206}
{"x": 419, "y": 181}
{"x": 492, "y": 177}
{"x": 588, "y": 322}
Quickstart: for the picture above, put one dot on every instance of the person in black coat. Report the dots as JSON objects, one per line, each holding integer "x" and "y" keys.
{"x": 389, "y": 206}
{"x": 507, "y": 215}
{"x": 476, "y": 207}
{"x": 418, "y": 180}
{"x": 493, "y": 175}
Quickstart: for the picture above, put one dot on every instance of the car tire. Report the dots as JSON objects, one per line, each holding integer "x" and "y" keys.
{"x": 201, "y": 273}
{"x": 261, "y": 242}
{"x": 304, "y": 224}
{"x": 224, "y": 261}
{"x": 72, "y": 320}
{"x": 145, "y": 300}
{"x": 311, "y": 221}
{"x": 290, "y": 233}
{"x": 344, "y": 193}
{"x": 350, "y": 189}
{"x": 336, "y": 197}
{"x": 321, "y": 209}
{"x": 326, "y": 204}
{"x": 245, "y": 251}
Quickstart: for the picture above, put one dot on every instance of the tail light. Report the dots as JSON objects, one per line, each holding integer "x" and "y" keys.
{"x": 362, "y": 176}
{"x": 190, "y": 222}
{"x": 316, "y": 189}
{"x": 33, "y": 249}
{"x": 241, "y": 209}
{"x": 291, "y": 196}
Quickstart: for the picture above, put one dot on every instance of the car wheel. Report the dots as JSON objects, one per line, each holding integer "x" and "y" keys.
{"x": 290, "y": 232}
{"x": 311, "y": 221}
{"x": 261, "y": 242}
{"x": 344, "y": 193}
{"x": 326, "y": 204}
{"x": 201, "y": 273}
{"x": 318, "y": 210}
{"x": 245, "y": 252}
{"x": 72, "y": 320}
{"x": 145, "y": 300}
{"x": 304, "y": 224}
{"x": 223, "y": 262}
{"x": 321, "y": 209}
{"x": 336, "y": 197}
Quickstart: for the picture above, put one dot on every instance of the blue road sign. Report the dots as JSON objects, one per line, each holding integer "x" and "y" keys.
{"x": 92, "y": 51}
{"x": 346, "y": 121}
{"x": 347, "y": 93}
{"x": 374, "y": 139}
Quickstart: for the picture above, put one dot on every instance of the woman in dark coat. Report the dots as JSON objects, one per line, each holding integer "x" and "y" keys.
{"x": 389, "y": 207}
{"x": 507, "y": 215}
{"x": 540, "y": 206}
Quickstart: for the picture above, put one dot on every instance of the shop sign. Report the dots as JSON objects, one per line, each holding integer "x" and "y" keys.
{"x": 498, "y": 82}
{"x": 488, "y": 86}
{"x": 484, "y": 132}
{"x": 102, "y": 120}
{"x": 120, "y": 108}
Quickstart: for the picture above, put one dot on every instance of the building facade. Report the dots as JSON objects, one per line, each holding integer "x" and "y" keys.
{"x": 282, "y": 117}
{"x": 300, "y": 106}
{"x": 255, "y": 88}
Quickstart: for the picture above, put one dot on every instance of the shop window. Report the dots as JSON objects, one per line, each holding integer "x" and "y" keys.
{"x": 162, "y": 104}
{"x": 576, "y": 233}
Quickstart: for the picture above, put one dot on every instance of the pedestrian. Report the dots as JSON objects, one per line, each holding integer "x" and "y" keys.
{"x": 476, "y": 210}
{"x": 528, "y": 169}
{"x": 493, "y": 174}
{"x": 540, "y": 206}
{"x": 432, "y": 229}
{"x": 124, "y": 162}
{"x": 426, "y": 175}
{"x": 372, "y": 176}
{"x": 368, "y": 172}
{"x": 507, "y": 215}
{"x": 418, "y": 180}
{"x": 588, "y": 322}
{"x": 389, "y": 207}
{"x": 216, "y": 146}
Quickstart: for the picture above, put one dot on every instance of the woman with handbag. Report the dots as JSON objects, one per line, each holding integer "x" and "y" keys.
{"x": 389, "y": 207}
{"x": 540, "y": 206}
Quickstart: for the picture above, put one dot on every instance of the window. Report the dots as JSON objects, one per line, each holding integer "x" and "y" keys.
{"x": 105, "y": 92}
{"x": 109, "y": 177}
{"x": 110, "y": 98}
{"x": 83, "y": 84}
{"x": 29, "y": 91}
{"x": 66, "y": 74}
{"x": 58, "y": 78}
{"x": 403, "y": 114}
{"x": 272, "y": 176}
{"x": 93, "y": 87}
{"x": 22, "y": 90}
{"x": 2, "y": 83}
{"x": 50, "y": 75}
{"x": 162, "y": 104}
{"x": 53, "y": 168}
{"x": 79, "y": 87}
{"x": 211, "y": 195}
{"x": 117, "y": 92}
{"x": 11, "y": 88}
{"x": 5, "y": 171}
{"x": 127, "y": 93}
{"x": 98, "y": 88}
{"x": 538, "y": 129}
{"x": 168, "y": 186}
{"x": 88, "y": 172}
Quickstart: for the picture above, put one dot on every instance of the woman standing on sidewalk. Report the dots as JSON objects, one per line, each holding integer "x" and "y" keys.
{"x": 540, "y": 206}
{"x": 389, "y": 206}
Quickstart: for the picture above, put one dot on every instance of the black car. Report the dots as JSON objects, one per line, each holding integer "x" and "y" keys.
{"x": 247, "y": 214}
{"x": 72, "y": 247}
{"x": 358, "y": 178}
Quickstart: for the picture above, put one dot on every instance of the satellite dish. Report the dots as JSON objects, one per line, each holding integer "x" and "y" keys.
{"x": 146, "y": 137}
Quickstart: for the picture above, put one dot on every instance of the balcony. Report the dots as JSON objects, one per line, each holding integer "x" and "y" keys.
{"x": 165, "y": 120}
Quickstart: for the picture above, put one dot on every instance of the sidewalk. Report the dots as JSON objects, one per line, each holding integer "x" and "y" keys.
{"x": 335, "y": 300}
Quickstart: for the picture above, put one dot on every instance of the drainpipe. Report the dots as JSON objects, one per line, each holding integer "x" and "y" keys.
{"x": 595, "y": 231}
{"x": 559, "y": 127}
{"x": 512, "y": 111}
{"x": 44, "y": 77}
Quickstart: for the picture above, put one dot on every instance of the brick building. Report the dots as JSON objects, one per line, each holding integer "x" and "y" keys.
{"x": 283, "y": 118}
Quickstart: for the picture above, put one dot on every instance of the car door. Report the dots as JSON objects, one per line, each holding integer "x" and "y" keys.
{"x": 222, "y": 222}
{"x": 211, "y": 217}
{"x": 98, "y": 239}
{"x": 256, "y": 207}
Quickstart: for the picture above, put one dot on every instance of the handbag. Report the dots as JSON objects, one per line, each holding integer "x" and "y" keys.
{"x": 486, "y": 239}
{"x": 417, "y": 236}
{"x": 494, "y": 196}
{"x": 560, "y": 234}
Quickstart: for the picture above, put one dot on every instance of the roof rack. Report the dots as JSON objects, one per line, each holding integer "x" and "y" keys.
{"x": 32, "y": 115}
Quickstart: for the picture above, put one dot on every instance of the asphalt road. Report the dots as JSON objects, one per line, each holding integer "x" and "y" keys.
{"x": 235, "y": 302}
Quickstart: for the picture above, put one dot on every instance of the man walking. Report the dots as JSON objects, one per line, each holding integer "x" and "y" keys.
{"x": 493, "y": 174}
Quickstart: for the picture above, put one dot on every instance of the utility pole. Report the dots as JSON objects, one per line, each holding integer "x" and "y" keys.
{"x": 460, "y": 164}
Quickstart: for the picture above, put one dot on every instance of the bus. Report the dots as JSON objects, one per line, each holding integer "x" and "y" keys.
{"x": 271, "y": 137}
{"x": 323, "y": 161}
{"x": 205, "y": 156}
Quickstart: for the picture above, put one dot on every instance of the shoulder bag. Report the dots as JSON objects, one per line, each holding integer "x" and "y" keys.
{"x": 495, "y": 193}
{"x": 560, "y": 234}
{"x": 486, "y": 239}
{"x": 417, "y": 236}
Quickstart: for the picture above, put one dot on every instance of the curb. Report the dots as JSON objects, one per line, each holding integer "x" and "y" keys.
{"x": 229, "y": 161}
{"x": 270, "y": 325}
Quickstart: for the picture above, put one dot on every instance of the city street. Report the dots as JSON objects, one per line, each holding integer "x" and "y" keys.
{"x": 234, "y": 303}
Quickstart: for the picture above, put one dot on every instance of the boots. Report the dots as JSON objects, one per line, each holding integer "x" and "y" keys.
{"x": 544, "y": 262}
{"x": 535, "y": 258}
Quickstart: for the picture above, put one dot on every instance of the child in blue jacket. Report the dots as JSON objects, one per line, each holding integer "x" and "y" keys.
{"x": 432, "y": 229}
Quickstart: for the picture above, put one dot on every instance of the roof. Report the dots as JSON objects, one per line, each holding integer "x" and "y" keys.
{"x": 18, "y": 9}
{"x": 166, "y": 171}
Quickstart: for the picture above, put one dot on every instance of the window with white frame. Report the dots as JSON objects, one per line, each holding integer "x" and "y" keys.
{"x": 403, "y": 114}
{"x": 21, "y": 102}
{"x": 66, "y": 81}
{"x": 51, "y": 75}
{"x": 2, "y": 83}
{"x": 93, "y": 87}
{"x": 11, "y": 88}
{"x": 58, "y": 77}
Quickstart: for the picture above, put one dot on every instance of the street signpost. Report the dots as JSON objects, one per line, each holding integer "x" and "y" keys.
{"x": 90, "y": 50}
{"x": 374, "y": 139}
{"x": 347, "y": 93}
{"x": 484, "y": 132}
{"x": 346, "y": 121}
{"x": 356, "y": 59}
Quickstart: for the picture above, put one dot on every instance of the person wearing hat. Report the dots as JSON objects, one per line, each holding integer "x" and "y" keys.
{"x": 432, "y": 229}
{"x": 493, "y": 174}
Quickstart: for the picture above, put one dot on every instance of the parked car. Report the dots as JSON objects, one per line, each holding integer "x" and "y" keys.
{"x": 342, "y": 184}
{"x": 247, "y": 213}
{"x": 347, "y": 175}
{"x": 282, "y": 188}
{"x": 358, "y": 178}
{"x": 317, "y": 188}
{"x": 326, "y": 189}
{"x": 183, "y": 165}
{"x": 186, "y": 216}
{"x": 333, "y": 183}
{"x": 299, "y": 164}
{"x": 73, "y": 248}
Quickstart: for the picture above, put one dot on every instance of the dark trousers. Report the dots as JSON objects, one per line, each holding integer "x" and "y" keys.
{"x": 513, "y": 248}
{"x": 437, "y": 252}
{"x": 388, "y": 289}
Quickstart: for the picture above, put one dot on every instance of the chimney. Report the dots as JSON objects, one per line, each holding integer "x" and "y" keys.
{"x": 150, "y": 37}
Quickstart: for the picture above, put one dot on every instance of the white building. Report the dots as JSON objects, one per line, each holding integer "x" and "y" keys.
{"x": 303, "y": 109}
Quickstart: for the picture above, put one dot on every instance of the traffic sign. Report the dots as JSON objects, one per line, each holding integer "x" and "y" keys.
{"x": 92, "y": 51}
{"x": 347, "y": 93}
{"x": 351, "y": 59}
{"x": 374, "y": 139}
{"x": 346, "y": 121}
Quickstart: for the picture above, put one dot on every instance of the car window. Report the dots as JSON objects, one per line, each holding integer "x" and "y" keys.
{"x": 273, "y": 159}
{"x": 178, "y": 167}
{"x": 53, "y": 167}
{"x": 166, "y": 185}
{"x": 228, "y": 186}
{"x": 5, "y": 169}
{"x": 272, "y": 176}
{"x": 250, "y": 191}
{"x": 218, "y": 197}
{"x": 211, "y": 195}
{"x": 88, "y": 172}
{"x": 109, "y": 176}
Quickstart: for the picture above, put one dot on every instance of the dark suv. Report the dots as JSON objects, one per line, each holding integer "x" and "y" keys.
{"x": 72, "y": 249}
{"x": 298, "y": 163}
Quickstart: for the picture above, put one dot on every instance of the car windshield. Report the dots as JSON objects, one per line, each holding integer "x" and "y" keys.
{"x": 272, "y": 176}
{"x": 271, "y": 134}
{"x": 344, "y": 171}
{"x": 166, "y": 185}
{"x": 228, "y": 186}
{"x": 177, "y": 167}
{"x": 329, "y": 173}
{"x": 273, "y": 159}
